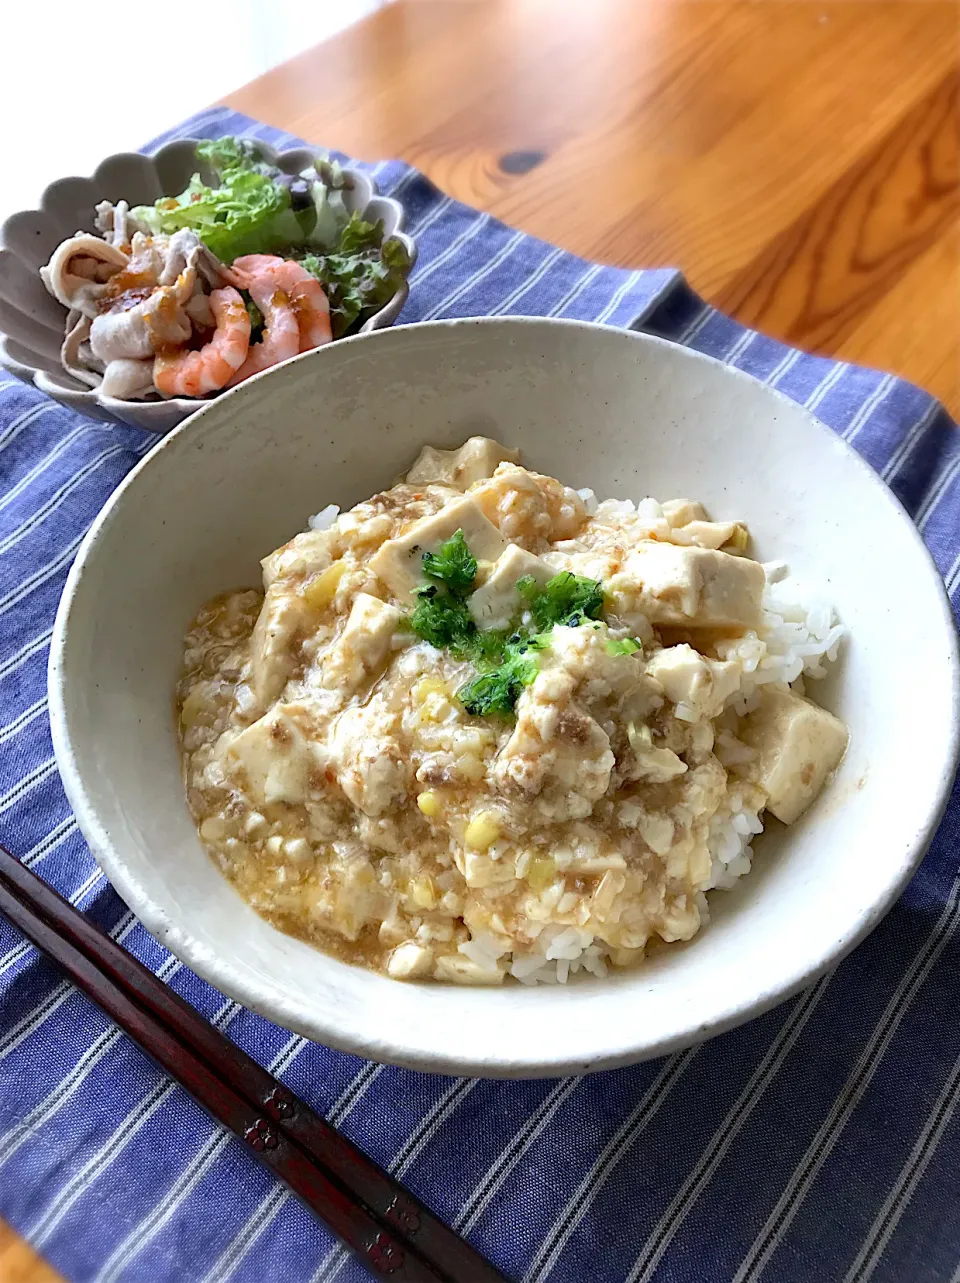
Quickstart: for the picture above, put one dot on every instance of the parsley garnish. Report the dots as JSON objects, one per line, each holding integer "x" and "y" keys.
{"x": 453, "y": 565}
{"x": 507, "y": 662}
{"x": 496, "y": 692}
{"x": 565, "y": 599}
{"x": 625, "y": 646}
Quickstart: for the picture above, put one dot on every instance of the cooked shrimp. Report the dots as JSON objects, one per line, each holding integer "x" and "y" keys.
{"x": 248, "y": 266}
{"x": 281, "y": 335}
{"x": 302, "y": 288}
{"x": 309, "y": 302}
{"x": 187, "y": 373}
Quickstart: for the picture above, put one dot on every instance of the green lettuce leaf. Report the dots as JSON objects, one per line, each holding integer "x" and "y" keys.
{"x": 361, "y": 275}
{"x": 247, "y": 214}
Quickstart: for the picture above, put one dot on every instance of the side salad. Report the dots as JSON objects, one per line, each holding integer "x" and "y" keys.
{"x": 252, "y": 207}
{"x": 246, "y": 267}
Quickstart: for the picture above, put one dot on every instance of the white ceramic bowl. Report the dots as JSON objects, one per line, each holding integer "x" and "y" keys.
{"x": 628, "y": 415}
{"x": 32, "y": 321}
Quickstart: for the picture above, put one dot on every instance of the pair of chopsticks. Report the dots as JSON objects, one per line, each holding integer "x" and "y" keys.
{"x": 391, "y": 1232}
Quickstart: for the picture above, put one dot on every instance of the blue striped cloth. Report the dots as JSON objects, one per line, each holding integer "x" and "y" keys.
{"x": 816, "y": 1143}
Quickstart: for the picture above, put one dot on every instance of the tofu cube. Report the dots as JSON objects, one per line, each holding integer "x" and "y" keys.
{"x": 497, "y": 602}
{"x": 399, "y": 562}
{"x": 409, "y": 961}
{"x": 680, "y": 512}
{"x": 304, "y": 555}
{"x": 798, "y": 744}
{"x": 688, "y": 678}
{"x": 362, "y": 647}
{"x": 272, "y": 659}
{"x": 459, "y": 970}
{"x": 694, "y": 587}
{"x": 274, "y": 756}
{"x": 475, "y": 460}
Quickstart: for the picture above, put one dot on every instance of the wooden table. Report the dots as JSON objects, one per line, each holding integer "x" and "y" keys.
{"x": 798, "y": 160}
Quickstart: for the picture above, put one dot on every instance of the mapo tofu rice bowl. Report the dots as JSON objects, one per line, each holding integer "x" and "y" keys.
{"x": 484, "y": 728}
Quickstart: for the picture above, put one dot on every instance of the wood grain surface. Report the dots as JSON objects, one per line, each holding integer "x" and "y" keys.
{"x": 798, "y": 159}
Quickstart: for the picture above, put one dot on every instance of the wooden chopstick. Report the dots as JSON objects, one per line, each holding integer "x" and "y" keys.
{"x": 391, "y": 1231}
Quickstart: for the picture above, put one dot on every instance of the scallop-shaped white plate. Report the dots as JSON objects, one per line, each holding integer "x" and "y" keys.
{"x": 32, "y": 321}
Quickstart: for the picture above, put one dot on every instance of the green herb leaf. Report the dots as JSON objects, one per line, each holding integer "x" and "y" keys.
{"x": 623, "y": 646}
{"x": 453, "y": 565}
{"x": 496, "y": 693}
{"x": 443, "y": 622}
{"x": 506, "y": 663}
{"x": 566, "y": 599}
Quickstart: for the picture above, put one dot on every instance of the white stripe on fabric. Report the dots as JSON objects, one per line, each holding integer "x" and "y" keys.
{"x": 52, "y": 840}
{"x": 20, "y": 657}
{"x": 68, "y": 1086}
{"x": 941, "y": 487}
{"x": 41, "y": 467}
{"x": 432, "y": 216}
{"x": 905, "y": 448}
{"x": 828, "y": 1133}
{"x": 430, "y": 1124}
{"x": 582, "y": 1198}
{"x": 40, "y": 577}
{"x": 697, "y": 324}
{"x": 473, "y": 281}
{"x": 529, "y": 283}
{"x": 150, "y": 1226}
{"x": 950, "y": 578}
{"x": 953, "y": 576}
{"x": 888, "y": 1218}
{"x": 85, "y": 888}
{"x": 77, "y": 1186}
{"x": 23, "y": 719}
{"x": 258, "y": 1221}
{"x": 10, "y": 959}
{"x": 736, "y": 352}
{"x": 123, "y": 1134}
{"x": 576, "y": 289}
{"x": 13, "y": 957}
{"x": 343, "y": 1105}
{"x": 53, "y": 1000}
{"x": 828, "y": 382}
{"x": 876, "y": 397}
{"x": 58, "y": 496}
{"x": 27, "y": 783}
{"x": 702, "y": 1173}
{"x": 466, "y": 235}
{"x": 23, "y": 421}
{"x": 783, "y": 366}
{"x": 147, "y": 1229}
{"x": 620, "y": 295}
{"x": 404, "y": 182}
{"x": 488, "y": 1186}
{"x": 408, "y": 1153}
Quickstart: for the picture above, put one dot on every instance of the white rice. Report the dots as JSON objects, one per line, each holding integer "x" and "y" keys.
{"x": 325, "y": 518}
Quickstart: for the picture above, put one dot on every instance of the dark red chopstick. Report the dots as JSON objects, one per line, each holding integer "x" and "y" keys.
{"x": 392, "y": 1233}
